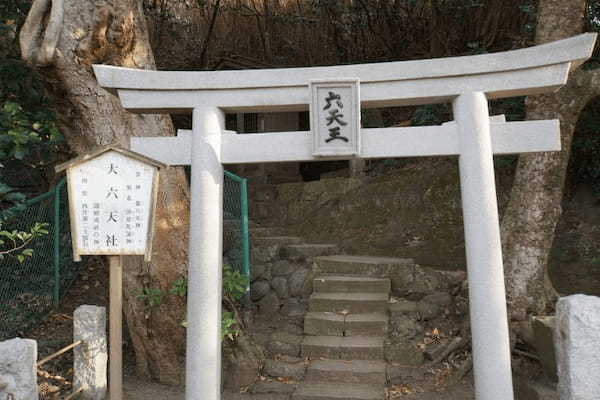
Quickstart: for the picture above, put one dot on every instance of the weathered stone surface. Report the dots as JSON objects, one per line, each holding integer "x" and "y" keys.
{"x": 381, "y": 267}
{"x": 351, "y": 284}
{"x": 282, "y": 268}
{"x": 18, "y": 378}
{"x": 441, "y": 299}
{"x": 335, "y": 391}
{"x": 263, "y": 254}
{"x": 302, "y": 252}
{"x": 294, "y": 308}
{"x": 246, "y": 396}
{"x": 257, "y": 271}
{"x": 348, "y": 348}
{"x": 91, "y": 358}
{"x": 371, "y": 324}
{"x": 285, "y": 343}
{"x": 282, "y": 369}
{"x": 576, "y": 336}
{"x": 403, "y": 375}
{"x": 415, "y": 282}
{"x": 324, "y": 324}
{"x": 528, "y": 390}
{"x": 428, "y": 311}
{"x": 349, "y": 302}
{"x": 259, "y": 289}
{"x": 262, "y": 387}
{"x": 403, "y": 327}
{"x": 297, "y": 281}
{"x": 269, "y": 305}
{"x": 543, "y": 334}
{"x": 405, "y": 353}
{"x": 280, "y": 285}
{"x": 402, "y": 306}
{"x": 356, "y": 371}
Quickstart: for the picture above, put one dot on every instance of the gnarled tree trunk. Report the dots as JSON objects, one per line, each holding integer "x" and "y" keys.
{"x": 534, "y": 208}
{"x": 114, "y": 32}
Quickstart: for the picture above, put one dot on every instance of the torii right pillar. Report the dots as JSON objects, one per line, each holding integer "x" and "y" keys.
{"x": 487, "y": 298}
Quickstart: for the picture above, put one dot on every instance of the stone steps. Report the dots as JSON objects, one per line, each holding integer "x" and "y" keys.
{"x": 335, "y": 391}
{"x": 352, "y": 303}
{"x": 345, "y": 348}
{"x": 266, "y": 231}
{"x": 346, "y": 371}
{"x": 305, "y": 251}
{"x": 350, "y": 284}
{"x": 359, "y": 265}
{"x": 276, "y": 240}
{"x": 334, "y": 324}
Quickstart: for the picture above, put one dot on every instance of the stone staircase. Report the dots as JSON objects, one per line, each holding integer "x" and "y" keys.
{"x": 345, "y": 330}
{"x": 342, "y": 338}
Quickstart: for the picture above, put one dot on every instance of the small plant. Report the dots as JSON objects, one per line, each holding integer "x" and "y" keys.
{"x": 17, "y": 241}
{"x": 229, "y": 329}
{"x": 152, "y": 297}
{"x": 234, "y": 289}
{"x": 179, "y": 287}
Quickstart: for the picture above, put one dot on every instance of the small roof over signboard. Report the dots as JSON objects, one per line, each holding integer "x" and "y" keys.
{"x": 89, "y": 156}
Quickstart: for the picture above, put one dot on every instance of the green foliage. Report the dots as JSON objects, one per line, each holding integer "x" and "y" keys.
{"x": 431, "y": 114}
{"x": 234, "y": 289}
{"x": 234, "y": 283}
{"x": 179, "y": 287}
{"x": 229, "y": 328}
{"x": 152, "y": 298}
{"x": 14, "y": 243}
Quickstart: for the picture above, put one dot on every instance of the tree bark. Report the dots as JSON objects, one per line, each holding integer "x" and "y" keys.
{"x": 534, "y": 207}
{"x": 114, "y": 32}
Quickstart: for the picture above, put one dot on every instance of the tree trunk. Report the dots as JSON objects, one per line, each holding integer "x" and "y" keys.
{"x": 114, "y": 32}
{"x": 535, "y": 204}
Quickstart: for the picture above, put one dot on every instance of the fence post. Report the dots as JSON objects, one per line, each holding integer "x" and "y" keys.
{"x": 56, "y": 232}
{"x": 245, "y": 233}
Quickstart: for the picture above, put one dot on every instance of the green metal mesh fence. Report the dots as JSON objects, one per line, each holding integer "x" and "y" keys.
{"x": 29, "y": 289}
{"x": 236, "y": 246}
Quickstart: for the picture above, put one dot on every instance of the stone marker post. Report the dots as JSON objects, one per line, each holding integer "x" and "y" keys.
{"x": 577, "y": 344}
{"x": 90, "y": 357}
{"x": 18, "y": 378}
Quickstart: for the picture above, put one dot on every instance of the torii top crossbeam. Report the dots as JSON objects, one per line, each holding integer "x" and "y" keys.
{"x": 512, "y": 73}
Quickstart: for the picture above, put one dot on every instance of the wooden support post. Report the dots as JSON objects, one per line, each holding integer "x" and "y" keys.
{"x": 116, "y": 328}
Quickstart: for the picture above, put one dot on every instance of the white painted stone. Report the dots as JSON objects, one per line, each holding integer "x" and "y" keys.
{"x": 91, "y": 357}
{"x": 335, "y": 117}
{"x": 513, "y": 73}
{"x": 576, "y": 340}
{"x": 466, "y": 81}
{"x": 18, "y": 378}
{"x": 487, "y": 296}
{"x": 420, "y": 141}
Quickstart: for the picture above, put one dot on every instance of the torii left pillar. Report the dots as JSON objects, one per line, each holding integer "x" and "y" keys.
{"x": 203, "y": 347}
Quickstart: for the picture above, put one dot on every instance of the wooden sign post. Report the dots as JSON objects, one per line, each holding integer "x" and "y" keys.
{"x": 112, "y": 197}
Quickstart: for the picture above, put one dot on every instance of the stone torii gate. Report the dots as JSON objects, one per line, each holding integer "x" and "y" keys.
{"x": 468, "y": 82}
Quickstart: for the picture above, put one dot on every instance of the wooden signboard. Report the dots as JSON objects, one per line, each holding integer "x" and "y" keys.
{"x": 112, "y": 197}
{"x": 112, "y": 193}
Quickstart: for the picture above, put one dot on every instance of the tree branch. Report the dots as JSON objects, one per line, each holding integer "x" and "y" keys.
{"x": 35, "y": 50}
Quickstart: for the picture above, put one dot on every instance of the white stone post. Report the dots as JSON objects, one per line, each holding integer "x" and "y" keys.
{"x": 18, "y": 378}
{"x": 576, "y": 337}
{"x": 203, "y": 350}
{"x": 90, "y": 357}
{"x": 487, "y": 297}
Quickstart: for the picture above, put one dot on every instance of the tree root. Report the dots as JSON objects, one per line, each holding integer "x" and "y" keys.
{"x": 38, "y": 45}
{"x": 456, "y": 344}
